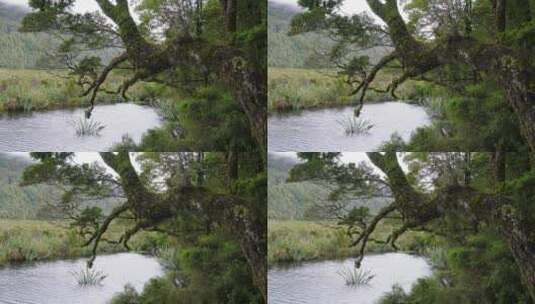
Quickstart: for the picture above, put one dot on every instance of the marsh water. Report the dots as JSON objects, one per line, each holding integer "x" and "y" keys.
{"x": 319, "y": 282}
{"x": 54, "y": 283}
{"x": 321, "y": 130}
{"x": 55, "y": 130}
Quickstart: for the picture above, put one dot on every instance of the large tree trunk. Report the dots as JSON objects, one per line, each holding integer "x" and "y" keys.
{"x": 523, "y": 251}
{"x": 522, "y": 101}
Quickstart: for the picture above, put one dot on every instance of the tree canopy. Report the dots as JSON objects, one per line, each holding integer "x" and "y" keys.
{"x": 184, "y": 194}
{"x": 457, "y": 195}
{"x": 452, "y": 44}
{"x": 180, "y": 43}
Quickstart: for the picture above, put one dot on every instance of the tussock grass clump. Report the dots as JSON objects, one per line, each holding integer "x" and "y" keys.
{"x": 355, "y": 276}
{"x": 355, "y": 126}
{"x": 89, "y": 277}
{"x": 87, "y": 127}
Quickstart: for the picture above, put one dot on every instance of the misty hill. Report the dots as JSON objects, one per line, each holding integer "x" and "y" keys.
{"x": 20, "y": 202}
{"x": 297, "y": 200}
{"x": 289, "y": 200}
{"x": 32, "y": 50}
{"x": 29, "y": 202}
{"x": 300, "y": 51}
{"x": 296, "y": 51}
{"x": 21, "y": 50}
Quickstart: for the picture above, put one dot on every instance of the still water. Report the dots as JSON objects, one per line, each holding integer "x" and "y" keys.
{"x": 319, "y": 282}
{"x": 53, "y": 282}
{"x": 54, "y": 130}
{"x": 320, "y": 130}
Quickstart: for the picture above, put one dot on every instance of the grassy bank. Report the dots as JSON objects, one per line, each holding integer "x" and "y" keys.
{"x": 30, "y": 90}
{"x": 297, "y": 241}
{"x": 293, "y": 89}
{"x": 24, "y": 241}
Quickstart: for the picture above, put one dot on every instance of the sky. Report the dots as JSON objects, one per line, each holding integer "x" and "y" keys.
{"x": 81, "y": 6}
{"x": 88, "y": 157}
{"x": 352, "y": 157}
{"x": 350, "y": 6}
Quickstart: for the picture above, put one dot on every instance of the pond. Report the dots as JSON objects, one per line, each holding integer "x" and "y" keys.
{"x": 53, "y": 282}
{"x": 319, "y": 282}
{"x": 321, "y": 130}
{"x": 54, "y": 130}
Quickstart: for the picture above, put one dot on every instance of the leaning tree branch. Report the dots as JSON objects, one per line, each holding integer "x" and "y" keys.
{"x": 100, "y": 80}
{"x": 365, "y": 235}
{"x": 363, "y": 86}
{"x": 97, "y": 235}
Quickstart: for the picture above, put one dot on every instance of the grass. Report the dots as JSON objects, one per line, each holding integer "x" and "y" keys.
{"x": 355, "y": 126}
{"x": 89, "y": 277}
{"x": 87, "y": 127}
{"x": 292, "y": 89}
{"x": 355, "y": 276}
{"x": 291, "y": 241}
{"x": 34, "y": 90}
{"x": 24, "y": 241}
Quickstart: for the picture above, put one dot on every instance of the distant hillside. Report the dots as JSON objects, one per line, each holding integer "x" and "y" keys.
{"x": 299, "y": 51}
{"x": 20, "y": 202}
{"x": 289, "y": 200}
{"x": 31, "y": 50}
{"x": 296, "y": 200}
{"x": 21, "y": 50}
{"x": 296, "y": 51}
{"x": 28, "y": 202}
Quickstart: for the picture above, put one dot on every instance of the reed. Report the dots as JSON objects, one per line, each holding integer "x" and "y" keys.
{"x": 355, "y": 276}
{"x": 355, "y": 126}
{"x": 87, "y": 127}
{"x": 89, "y": 277}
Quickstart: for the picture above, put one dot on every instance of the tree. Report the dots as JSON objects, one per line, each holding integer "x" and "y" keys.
{"x": 178, "y": 42}
{"x": 443, "y": 42}
{"x": 174, "y": 193}
{"x": 492, "y": 190}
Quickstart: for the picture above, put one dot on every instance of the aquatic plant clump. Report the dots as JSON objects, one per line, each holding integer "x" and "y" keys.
{"x": 355, "y": 277}
{"x": 87, "y": 127}
{"x": 355, "y": 126}
{"x": 89, "y": 277}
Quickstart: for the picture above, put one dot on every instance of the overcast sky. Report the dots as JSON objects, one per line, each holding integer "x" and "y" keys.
{"x": 350, "y": 6}
{"x": 80, "y": 6}
{"x": 353, "y": 157}
{"x": 88, "y": 157}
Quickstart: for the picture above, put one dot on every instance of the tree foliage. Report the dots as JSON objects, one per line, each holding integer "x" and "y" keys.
{"x": 184, "y": 44}
{"x": 190, "y": 196}
{"x": 473, "y": 200}
{"x": 452, "y": 44}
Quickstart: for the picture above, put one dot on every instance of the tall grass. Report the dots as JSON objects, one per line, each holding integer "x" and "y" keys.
{"x": 31, "y": 90}
{"x": 291, "y": 241}
{"x": 355, "y": 276}
{"x": 23, "y": 241}
{"x": 294, "y": 89}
